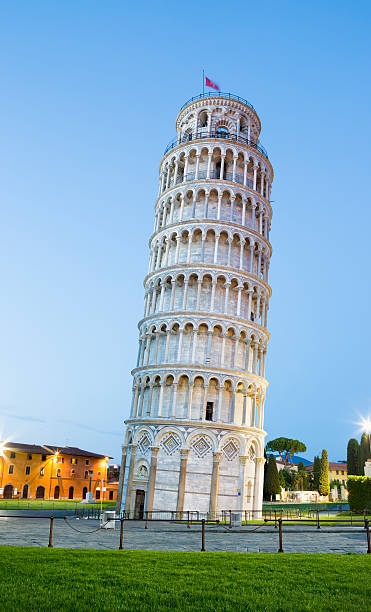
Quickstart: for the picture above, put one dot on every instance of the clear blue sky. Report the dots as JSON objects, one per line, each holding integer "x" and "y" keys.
{"x": 89, "y": 95}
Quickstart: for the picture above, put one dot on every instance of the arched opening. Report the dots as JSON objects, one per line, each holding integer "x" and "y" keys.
{"x": 97, "y": 494}
{"x": 8, "y": 492}
{"x": 70, "y": 493}
{"x": 56, "y": 492}
{"x": 84, "y": 492}
{"x": 40, "y": 492}
{"x": 25, "y": 491}
{"x": 222, "y": 132}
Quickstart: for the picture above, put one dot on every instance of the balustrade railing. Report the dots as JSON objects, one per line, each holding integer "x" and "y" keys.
{"x": 202, "y": 175}
{"x": 199, "y": 135}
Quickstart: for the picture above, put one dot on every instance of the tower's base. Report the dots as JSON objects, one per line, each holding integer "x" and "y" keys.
{"x": 186, "y": 466}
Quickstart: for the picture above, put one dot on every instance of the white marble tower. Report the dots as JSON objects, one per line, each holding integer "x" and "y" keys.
{"x": 195, "y": 438}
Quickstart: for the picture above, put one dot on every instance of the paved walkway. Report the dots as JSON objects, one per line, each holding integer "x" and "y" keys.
{"x": 82, "y": 533}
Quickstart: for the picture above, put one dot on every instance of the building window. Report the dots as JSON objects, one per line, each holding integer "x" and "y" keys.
{"x": 87, "y": 462}
{"x": 43, "y": 457}
{"x": 99, "y": 474}
{"x": 58, "y": 472}
{"x": 29, "y": 457}
{"x": 337, "y": 471}
{"x": 60, "y": 459}
{"x": 72, "y": 472}
{"x": 97, "y": 494}
{"x": 28, "y": 470}
{"x": 209, "y": 411}
{"x": 86, "y": 474}
{"x": 111, "y": 495}
{"x": 73, "y": 460}
{"x": 42, "y": 471}
{"x": 12, "y": 455}
{"x": 342, "y": 472}
{"x": 11, "y": 469}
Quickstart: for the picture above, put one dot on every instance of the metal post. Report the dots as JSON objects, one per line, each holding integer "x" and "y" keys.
{"x": 121, "y": 533}
{"x": 230, "y": 519}
{"x": 188, "y": 523}
{"x": 275, "y": 519}
{"x": 280, "y": 550}
{"x": 367, "y": 527}
{"x": 146, "y": 525}
{"x": 203, "y": 536}
{"x": 50, "y": 545}
{"x": 318, "y": 525}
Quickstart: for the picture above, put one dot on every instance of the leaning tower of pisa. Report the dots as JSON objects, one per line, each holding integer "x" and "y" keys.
{"x": 194, "y": 439}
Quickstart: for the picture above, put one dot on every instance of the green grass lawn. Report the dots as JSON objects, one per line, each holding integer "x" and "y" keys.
{"x": 37, "y": 504}
{"x": 86, "y": 580}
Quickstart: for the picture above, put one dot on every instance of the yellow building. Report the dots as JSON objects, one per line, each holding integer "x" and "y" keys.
{"x": 29, "y": 471}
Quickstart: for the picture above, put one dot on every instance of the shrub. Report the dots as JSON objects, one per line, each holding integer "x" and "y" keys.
{"x": 359, "y": 489}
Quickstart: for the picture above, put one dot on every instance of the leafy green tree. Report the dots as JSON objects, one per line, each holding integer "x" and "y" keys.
{"x": 364, "y": 453}
{"x": 272, "y": 486}
{"x": 324, "y": 487}
{"x": 286, "y": 447}
{"x": 316, "y": 472}
{"x": 301, "y": 478}
{"x": 353, "y": 457}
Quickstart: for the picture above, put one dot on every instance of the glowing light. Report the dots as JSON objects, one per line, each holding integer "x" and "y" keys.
{"x": 365, "y": 424}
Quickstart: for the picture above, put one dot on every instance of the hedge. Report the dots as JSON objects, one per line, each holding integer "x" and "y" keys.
{"x": 359, "y": 489}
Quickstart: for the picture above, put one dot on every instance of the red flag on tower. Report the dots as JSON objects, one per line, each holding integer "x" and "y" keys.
{"x": 209, "y": 83}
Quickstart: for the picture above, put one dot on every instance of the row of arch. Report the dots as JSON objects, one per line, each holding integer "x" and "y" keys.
{"x": 205, "y": 292}
{"x": 198, "y": 399}
{"x": 196, "y": 344}
{"x": 218, "y": 114}
{"x": 223, "y": 163}
{"x": 215, "y": 204}
{"x": 248, "y": 444}
{"x": 206, "y": 246}
{"x": 40, "y": 492}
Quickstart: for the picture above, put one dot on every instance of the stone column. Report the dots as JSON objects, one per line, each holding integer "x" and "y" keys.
{"x": 190, "y": 399}
{"x": 214, "y": 488}
{"x": 199, "y": 286}
{"x": 152, "y": 479}
{"x": 189, "y": 247}
{"x": 173, "y": 408}
{"x": 210, "y": 154}
{"x": 185, "y": 294}
{"x": 219, "y": 206}
{"x": 253, "y": 207}
{"x": 161, "y": 399}
{"x": 197, "y": 166}
{"x": 243, "y": 466}
{"x": 234, "y": 169}
{"x": 204, "y": 402}
{"x": 129, "y": 486}
{"x": 244, "y": 409}
{"x": 124, "y": 449}
{"x": 184, "y": 452}
{"x": 218, "y": 416}
{"x": 216, "y": 249}
{"x": 222, "y": 167}
{"x": 255, "y": 177}
{"x": 212, "y": 301}
{"x": 258, "y": 488}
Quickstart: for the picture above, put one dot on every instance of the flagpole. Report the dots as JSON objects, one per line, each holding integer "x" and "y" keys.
{"x": 203, "y": 83}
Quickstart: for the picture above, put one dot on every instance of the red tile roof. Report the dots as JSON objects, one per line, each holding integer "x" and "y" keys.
{"x": 50, "y": 449}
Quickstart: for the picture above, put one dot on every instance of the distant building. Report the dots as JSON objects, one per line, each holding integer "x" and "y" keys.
{"x": 337, "y": 471}
{"x": 29, "y": 471}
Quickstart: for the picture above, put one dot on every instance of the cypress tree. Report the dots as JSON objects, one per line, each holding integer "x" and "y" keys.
{"x": 272, "y": 485}
{"x": 324, "y": 487}
{"x": 316, "y": 472}
{"x": 353, "y": 457}
{"x": 364, "y": 453}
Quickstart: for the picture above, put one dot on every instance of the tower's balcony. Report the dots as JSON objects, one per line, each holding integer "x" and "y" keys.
{"x": 199, "y": 135}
